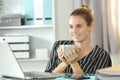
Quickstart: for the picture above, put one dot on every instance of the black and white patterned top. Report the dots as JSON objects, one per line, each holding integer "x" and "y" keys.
{"x": 98, "y": 58}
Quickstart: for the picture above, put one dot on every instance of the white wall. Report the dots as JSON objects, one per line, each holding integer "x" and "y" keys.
{"x": 63, "y": 8}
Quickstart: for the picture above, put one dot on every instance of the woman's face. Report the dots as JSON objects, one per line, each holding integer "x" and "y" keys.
{"x": 78, "y": 29}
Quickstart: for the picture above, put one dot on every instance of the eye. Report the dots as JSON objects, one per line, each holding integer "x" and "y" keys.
{"x": 70, "y": 26}
{"x": 79, "y": 25}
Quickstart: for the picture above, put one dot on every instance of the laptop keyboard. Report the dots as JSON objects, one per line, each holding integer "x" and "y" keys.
{"x": 31, "y": 74}
{"x": 40, "y": 75}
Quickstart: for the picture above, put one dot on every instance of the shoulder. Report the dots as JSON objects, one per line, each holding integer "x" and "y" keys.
{"x": 104, "y": 56}
{"x": 98, "y": 48}
{"x": 100, "y": 51}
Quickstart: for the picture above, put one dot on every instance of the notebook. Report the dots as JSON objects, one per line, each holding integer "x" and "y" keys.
{"x": 109, "y": 73}
{"x": 9, "y": 66}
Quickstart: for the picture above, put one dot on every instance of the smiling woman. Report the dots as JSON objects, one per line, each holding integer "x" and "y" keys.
{"x": 106, "y": 32}
{"x": 86, "y": 58}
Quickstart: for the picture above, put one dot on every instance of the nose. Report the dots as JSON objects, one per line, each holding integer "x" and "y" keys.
{"x": 74, "y": 30}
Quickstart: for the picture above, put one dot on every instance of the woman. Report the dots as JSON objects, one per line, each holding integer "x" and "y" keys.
{"x": 87, "y": 58}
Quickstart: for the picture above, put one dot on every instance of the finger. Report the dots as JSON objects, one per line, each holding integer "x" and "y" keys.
{"x": 73, "y": 50}
{"x": 70, "y": 52}
{"x": 66, "y": 53}
{"x": 66, "y": 58}
{"x": 78, "y": 50}
{"x": 60, "y": 55}
{"x": 59, "y": 50}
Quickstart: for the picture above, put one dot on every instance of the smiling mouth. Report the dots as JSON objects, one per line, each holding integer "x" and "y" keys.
{"x": 76, "y": 36}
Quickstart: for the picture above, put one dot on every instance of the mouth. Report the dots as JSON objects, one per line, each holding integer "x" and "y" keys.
{"x": 76, "y": 36}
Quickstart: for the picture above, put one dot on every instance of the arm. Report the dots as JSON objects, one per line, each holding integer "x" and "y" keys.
{"x": 72, "y": 58}
{"x": 60, "y": 68}
{"x": 76, "y": 67}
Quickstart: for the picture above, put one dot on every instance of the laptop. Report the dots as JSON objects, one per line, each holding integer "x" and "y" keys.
{"x": 9, "y": 66}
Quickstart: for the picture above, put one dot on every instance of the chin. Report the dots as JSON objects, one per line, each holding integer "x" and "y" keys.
{"x": 76, "y": 40}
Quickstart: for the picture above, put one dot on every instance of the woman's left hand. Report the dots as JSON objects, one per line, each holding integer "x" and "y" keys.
{"x": 71, "y": 55}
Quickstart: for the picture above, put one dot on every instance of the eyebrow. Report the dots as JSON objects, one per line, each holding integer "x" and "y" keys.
{"x": 78, "y": 24}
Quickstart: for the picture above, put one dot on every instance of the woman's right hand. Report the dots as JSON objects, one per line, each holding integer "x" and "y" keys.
{"x": 61, "y": 55}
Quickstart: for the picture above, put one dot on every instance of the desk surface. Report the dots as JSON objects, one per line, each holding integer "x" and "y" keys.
{"x": 61, "y": 77}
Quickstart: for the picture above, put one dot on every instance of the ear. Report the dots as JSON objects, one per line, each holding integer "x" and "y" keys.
{"x": 91, "y": 26}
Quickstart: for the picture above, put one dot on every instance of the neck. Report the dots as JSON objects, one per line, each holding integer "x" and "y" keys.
{"x": 85, "y": 46}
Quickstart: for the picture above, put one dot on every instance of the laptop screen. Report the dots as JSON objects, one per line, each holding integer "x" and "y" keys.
{"x": 8, "y": 64}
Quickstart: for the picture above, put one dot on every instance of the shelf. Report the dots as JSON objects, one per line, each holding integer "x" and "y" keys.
{"x": 27, "y": 27}
{"x": 32, "y": 59}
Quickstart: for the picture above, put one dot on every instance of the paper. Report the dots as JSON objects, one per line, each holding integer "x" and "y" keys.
{"x": 111, "y": 73}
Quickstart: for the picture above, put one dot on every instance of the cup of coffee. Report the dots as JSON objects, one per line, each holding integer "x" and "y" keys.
{"x": 63, "y": 47}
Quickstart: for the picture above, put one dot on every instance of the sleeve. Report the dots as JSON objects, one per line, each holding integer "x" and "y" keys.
{"x": 53, "y": 56}
{"x": 102, "y": 61}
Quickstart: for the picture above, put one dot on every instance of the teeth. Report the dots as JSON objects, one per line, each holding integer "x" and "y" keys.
{"x": 76, "y": 35}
